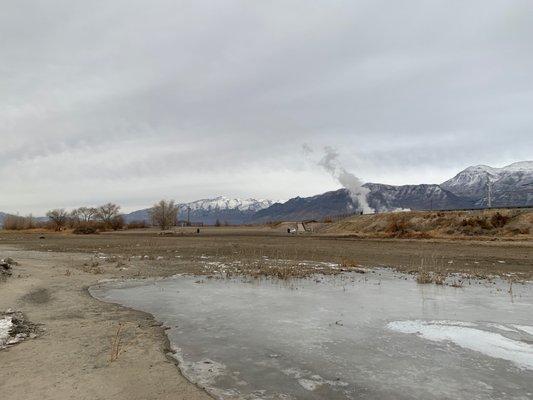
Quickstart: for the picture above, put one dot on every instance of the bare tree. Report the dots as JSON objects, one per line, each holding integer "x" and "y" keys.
{"x": 30, "y": 221}
{"x": 74, "y": 219}
{"x": 58, "y": 217}
{"x": 108, "y": 214}
{"x": 164, "y": 214}
{"x": 86, "y": 214}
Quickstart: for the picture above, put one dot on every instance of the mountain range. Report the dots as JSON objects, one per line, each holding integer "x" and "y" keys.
{"x": 508, "y": 186}
{"x": 208, "y": 211}
{"x": 511, "y": 185}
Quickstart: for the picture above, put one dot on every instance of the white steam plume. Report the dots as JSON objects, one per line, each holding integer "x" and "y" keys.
{"x": 352, "y": 183}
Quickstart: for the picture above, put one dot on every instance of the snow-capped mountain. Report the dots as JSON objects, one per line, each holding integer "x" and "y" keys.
{"x": 381, "y": 198}
{"x": 225, "y": 203}
{"x": 509, "y": 185}
{"x": 414, "y": 197}
{"x": 208, "y": 211}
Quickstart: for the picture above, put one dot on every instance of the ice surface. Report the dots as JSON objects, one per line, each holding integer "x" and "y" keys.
{"x": 527, "y": 329}
{"x": 489, "y": 343}
{"x": 361, "y": 336}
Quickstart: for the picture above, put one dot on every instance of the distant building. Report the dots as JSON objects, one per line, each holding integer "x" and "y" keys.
{"x": 183, "y": 223}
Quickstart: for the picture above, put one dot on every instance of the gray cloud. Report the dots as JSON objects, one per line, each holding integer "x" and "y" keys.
{"x": 130, "y": 101}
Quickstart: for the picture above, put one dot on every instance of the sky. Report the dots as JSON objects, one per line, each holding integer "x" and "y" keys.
{"x": 133, "y": 101}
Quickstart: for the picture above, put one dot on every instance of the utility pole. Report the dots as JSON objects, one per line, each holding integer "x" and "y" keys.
{"x": 489, "y": 193}
{"x": 188, "y": 216}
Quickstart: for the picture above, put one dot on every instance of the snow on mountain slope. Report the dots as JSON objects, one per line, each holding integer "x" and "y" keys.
{"x": 525, "y": 166}
{"x": 510, "y": 185}
{"x": 416, "y": 197}
{"x": 225, "y": 203}
{"x": 224, "y": 209}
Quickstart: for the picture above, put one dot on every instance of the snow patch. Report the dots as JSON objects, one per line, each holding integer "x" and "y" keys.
{"x": 466, "y": 336}
{"x": 5, "y": 326}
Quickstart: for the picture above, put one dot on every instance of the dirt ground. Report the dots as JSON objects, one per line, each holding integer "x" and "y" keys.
{"x": 188, "y": 251}
{"x": 71, "y": 358}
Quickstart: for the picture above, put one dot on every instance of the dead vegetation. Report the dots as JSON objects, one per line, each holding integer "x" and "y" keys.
{"x": 116, "y": 344}
{"x": 424, "y": 277}
{"x": 245, "y": 250}
{"x": 490, "y": 224}
{"x": 120, "y": 341}
{"x": 92, "y": 268}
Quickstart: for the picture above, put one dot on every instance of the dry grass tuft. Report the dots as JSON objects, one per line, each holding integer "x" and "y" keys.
{"x": 424, "y": 277}
{"x": 118, "y": 343}
{"x": 93, "y": 269}
{"x": 347, "y": 263}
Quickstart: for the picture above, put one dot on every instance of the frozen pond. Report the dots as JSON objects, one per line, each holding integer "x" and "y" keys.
{"x": 373, "y": 336}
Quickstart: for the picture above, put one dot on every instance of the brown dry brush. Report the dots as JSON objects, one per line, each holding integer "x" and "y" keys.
{"x": 424, "y": 277}
{"x": 118, "y": 343}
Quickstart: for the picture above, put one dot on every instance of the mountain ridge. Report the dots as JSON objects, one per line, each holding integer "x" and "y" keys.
{"x": 221, "y": 208}
{"x": 511, "y": 185}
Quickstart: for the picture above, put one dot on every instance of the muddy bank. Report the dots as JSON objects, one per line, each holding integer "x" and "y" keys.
{"x": 71, "y": 358}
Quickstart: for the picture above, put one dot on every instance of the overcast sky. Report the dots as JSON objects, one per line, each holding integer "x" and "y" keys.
{"x": 131, "y": 101}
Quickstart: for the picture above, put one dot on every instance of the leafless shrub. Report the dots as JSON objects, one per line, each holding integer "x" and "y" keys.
{"x": 15, "y": 223}
{"x": 474, "y": 222}
{"x": 85, "y": 214}
{"x": 119, "y": 343}
{"x": 136, "y": 225}
{"x": 85, "y": 229}
{"x": 109, "y": 215}
{"x": 498, "y": 220}
{"x": 397, "y": 226}
{"x": 116, "y": 344}
{"x": 164, "y": 214}
{"x": 58, "y": 218}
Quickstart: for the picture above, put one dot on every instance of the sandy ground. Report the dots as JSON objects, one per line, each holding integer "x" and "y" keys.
{"x": 70, "y": 360}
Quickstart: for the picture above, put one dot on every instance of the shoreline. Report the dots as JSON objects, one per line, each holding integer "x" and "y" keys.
{"x": 145, "y": 296}
{"x": 167, "y": 347}
{"x": 71, "y": 356}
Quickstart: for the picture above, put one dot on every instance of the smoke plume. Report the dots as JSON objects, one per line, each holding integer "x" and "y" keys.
{"x": 352, "y": 183}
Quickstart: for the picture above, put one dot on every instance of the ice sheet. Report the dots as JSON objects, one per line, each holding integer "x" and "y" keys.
{"x": 466, "y": 336}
